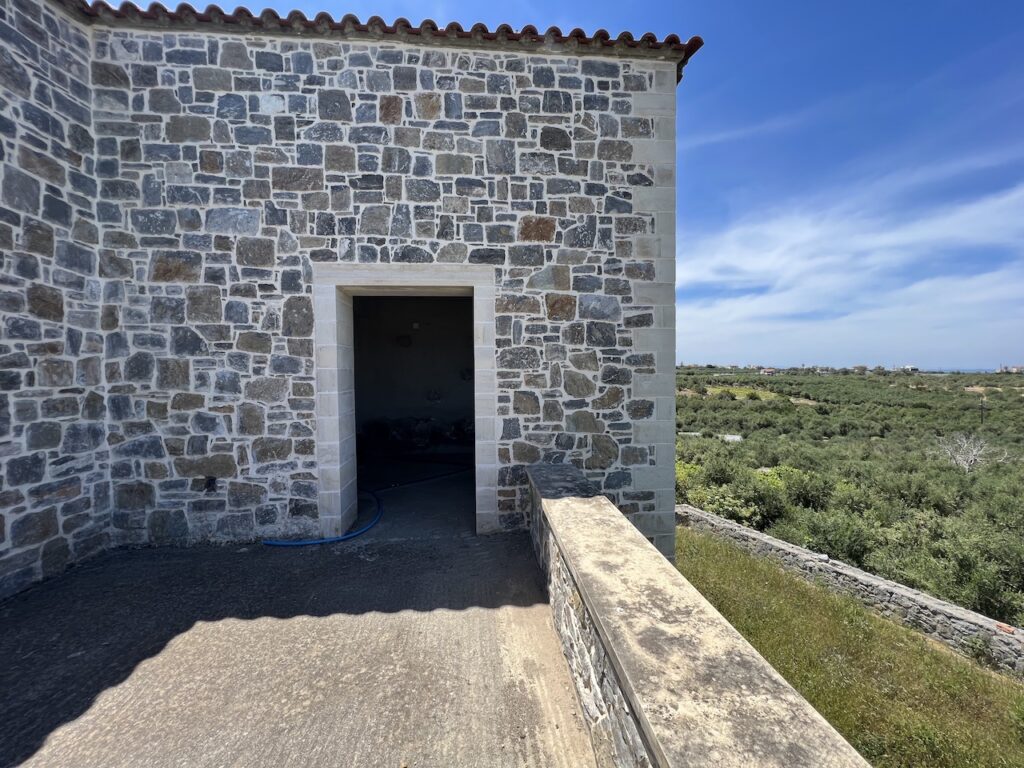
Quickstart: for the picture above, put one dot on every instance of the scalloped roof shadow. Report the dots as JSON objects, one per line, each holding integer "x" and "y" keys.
{"x": 243, "y": 20}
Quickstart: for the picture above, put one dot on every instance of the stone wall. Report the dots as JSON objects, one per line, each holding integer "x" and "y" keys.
{"x": 614, "y": 728}
{"x": 965, "y": 631}
{"x": 239, "y": 162}
{"x": 615, "y": 731}
{"x": 662, "y": 678}
{"x": 192, "y": 178}
{"x": 54, "y": 462}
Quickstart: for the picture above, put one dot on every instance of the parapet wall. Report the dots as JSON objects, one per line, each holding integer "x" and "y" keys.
{"x": 962, "y": 630}
{"x": 663, "y": 679}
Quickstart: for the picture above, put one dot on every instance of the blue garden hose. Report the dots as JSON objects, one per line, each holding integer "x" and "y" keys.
{"x": 368, "y": 526}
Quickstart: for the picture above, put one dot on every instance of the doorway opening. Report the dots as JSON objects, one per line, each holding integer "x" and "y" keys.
{"x": 414, "y": 398}
{"x": 335, "y": 288}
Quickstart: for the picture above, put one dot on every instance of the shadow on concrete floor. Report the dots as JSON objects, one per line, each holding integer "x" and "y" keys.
{"x": 66, "y": 641}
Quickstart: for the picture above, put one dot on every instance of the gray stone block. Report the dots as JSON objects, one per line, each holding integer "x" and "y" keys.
{"x": 334, "y": 105}
{"x": 233, "y": 221}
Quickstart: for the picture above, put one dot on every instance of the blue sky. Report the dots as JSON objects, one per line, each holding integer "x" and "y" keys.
{"x": 851, "y": 175}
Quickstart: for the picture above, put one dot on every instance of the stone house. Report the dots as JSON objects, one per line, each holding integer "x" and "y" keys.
{"x": 191, "y": 203}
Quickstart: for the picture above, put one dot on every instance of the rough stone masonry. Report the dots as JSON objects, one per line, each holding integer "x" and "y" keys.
{"x": 167, "y": 185}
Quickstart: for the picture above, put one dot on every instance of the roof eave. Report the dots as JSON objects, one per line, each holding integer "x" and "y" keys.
{"x": 242, "y": 20}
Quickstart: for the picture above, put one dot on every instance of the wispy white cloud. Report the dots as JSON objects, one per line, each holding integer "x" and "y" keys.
{"x": 771, "y": 125}
{"x": 789, "y": 121}
{"x": 859, "y": 274}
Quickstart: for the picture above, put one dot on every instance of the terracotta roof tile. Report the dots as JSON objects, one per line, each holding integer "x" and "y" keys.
{"x": 244, "y": 20}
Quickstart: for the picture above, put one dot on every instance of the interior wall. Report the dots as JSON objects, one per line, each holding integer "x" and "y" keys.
{"x": 413, "y": 372}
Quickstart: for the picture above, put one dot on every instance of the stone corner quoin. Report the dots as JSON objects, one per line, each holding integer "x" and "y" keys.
{"x": 165, "y": 193}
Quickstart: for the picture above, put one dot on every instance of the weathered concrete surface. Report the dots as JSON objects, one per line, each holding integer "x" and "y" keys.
{"x": 418, "y": 644}
{"x": 700, "y": 695}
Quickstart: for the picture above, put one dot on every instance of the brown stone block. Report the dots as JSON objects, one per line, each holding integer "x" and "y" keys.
{"x": 215, "y": 465}
{"x": 266, "y": 449}
{"x": 560, "y": 306}
{"x": 187, "y": 128}
{"x": 254, "y": 341}
{"x": 291, "y": 178}
{"x": 255, "y": 251}
{"x": 525, "y": 453}
{"x": 34, "y": 528}
{"x": 175, "y": 267}
{"x": 340, "y": 158}
{"x": 187, "y": 401}
{"x": 172, "y": 373}
{"x": 537, "y": 229}
{"x": 604, "y": 451}
{"x": 203, "y": 304}
{"x": 611, "y": 398}
{"x": 525, "y": 403}
{"x": 517, "y": 304}
{"x": 251, "y": 420}
{"x": 428, "y": 106}
{"x": 45, "y": 302}
{"x": 134, "y": 496}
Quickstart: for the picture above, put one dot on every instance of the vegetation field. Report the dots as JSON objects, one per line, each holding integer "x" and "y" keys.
{"x": 915, "y": 477}
{"x": 899, "y": 699}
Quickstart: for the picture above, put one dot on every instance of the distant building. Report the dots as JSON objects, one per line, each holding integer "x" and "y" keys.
{"x": 768, "y": 371}
{"x": 1011, "y": 369}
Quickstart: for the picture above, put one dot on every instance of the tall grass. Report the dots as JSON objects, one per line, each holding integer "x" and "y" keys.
{"x": 901, "y": 700}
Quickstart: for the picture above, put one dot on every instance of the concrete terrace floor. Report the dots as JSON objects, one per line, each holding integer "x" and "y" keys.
{"x": 417, "y": 644}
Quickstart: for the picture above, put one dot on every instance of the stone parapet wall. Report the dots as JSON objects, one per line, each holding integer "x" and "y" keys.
{"x": 962, "y": 630}
{"x": 662, "y": 678}
{"x": 614, "y": 728}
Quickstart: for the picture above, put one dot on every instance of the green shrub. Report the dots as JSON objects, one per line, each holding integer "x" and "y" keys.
{"x": 764, "y": 493}
{"x": 718, "y": 470}
{"x": 851, "y": 499}
{"x": 856, "y": 475}
{"x": 687, "y": 477}
{"x": 836, "y": 534}
{"x": 804, "y": 489}
{"x": 720, "y": 500}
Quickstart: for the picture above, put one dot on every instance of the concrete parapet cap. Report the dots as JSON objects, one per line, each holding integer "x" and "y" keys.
{"x": 701, "y": 694}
